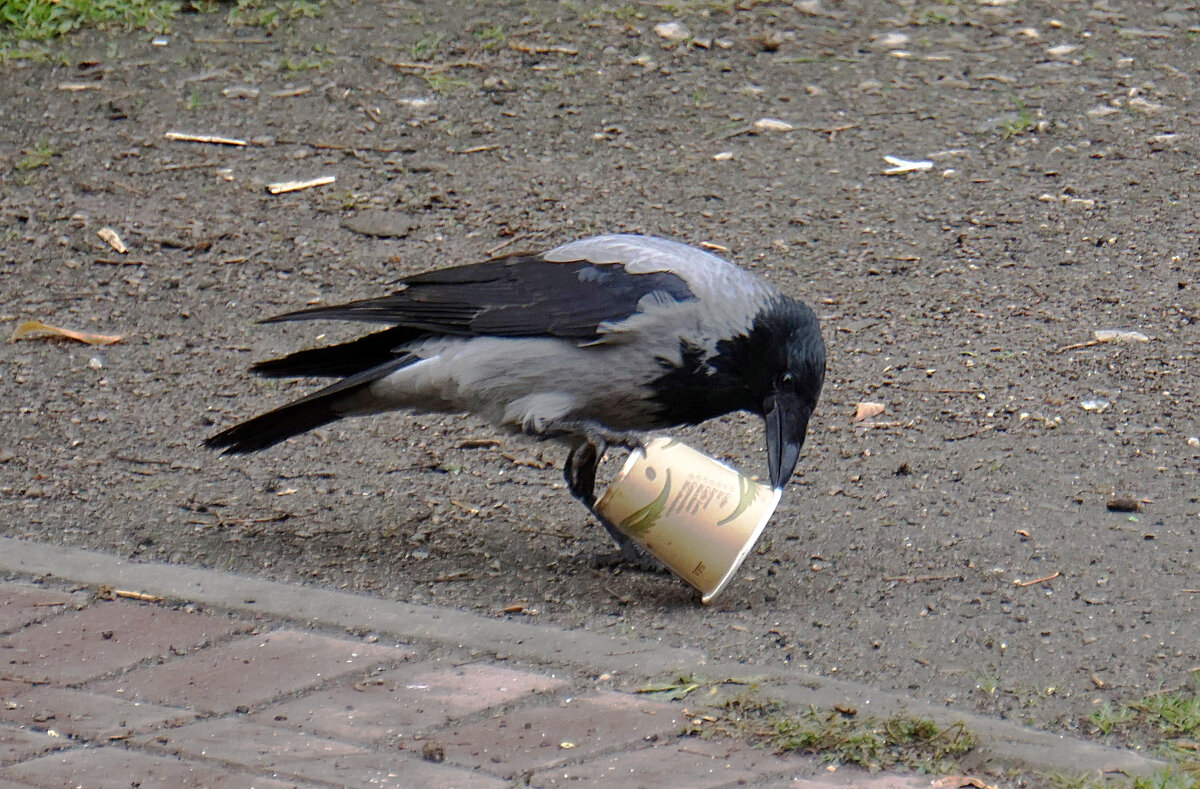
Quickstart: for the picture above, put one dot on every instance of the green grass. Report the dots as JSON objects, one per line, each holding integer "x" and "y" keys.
{"x": 1170, "y": 721}
{"x": 1166, "y": 724}
{"x": 304, "y": 64}
{"x": 425, "y": 48}
{"x": 490, "y": 37}
{"x": 440, "y": 82}
{"x": 866, "y": 741}
{"x": 1167, "y": 779}
{"x": 41, "y": 20}
{"x": 38, "y": 156}
{"x": 1018, "y": 124}
{"x": 44, "y": 20}
{"x": 270, "y": 14}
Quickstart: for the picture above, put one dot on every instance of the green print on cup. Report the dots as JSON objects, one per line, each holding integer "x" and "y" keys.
{"x": 643, "y": 520}
{"x": 746, "y": 496}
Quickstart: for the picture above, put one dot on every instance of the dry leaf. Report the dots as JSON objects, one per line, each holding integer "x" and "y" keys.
{"x": 112, "y": 239}
{"x": 31, "y": 329}
{"x": 866, "y": 411}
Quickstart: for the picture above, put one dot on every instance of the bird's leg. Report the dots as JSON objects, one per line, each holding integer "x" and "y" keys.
{"x": 580, "y": 472}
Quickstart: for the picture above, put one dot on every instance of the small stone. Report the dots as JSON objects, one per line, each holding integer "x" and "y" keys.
{"x": 1062, "y": 50}
{"x": 672, "y": 31}
{"x": 380, "y": 224}
{"x": 1146, "y": 107}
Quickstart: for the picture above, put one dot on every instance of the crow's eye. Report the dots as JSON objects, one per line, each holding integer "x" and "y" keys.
{"x": 785, "y": 381}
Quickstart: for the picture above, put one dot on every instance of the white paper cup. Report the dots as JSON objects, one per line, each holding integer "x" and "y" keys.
{"x": 696, "y": 514}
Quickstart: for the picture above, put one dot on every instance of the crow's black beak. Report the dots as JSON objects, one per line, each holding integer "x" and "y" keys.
{"x": 787, "y": 424}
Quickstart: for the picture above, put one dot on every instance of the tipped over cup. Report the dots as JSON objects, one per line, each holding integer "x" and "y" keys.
{"x": 697, "y": 515}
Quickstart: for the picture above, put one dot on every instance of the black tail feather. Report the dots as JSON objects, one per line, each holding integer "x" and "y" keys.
{"x": 336, "y": 361}
{"x": 307, "y": 413}
{"x": 267, "y": 430}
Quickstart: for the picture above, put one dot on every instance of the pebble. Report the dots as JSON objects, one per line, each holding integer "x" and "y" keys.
{"x": 672, "y": 31}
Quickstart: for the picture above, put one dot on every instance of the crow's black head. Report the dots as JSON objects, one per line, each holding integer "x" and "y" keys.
{"x": 782, "y": 361}
{"x": 774, "y": 369}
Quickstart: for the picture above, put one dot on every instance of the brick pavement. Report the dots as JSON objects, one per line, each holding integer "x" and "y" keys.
{"x": 119, "y": 693}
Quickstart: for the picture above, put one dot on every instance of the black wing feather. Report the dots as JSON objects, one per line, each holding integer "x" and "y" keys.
{"x": 516, "y": 296}
{"x": 337, "y": 361}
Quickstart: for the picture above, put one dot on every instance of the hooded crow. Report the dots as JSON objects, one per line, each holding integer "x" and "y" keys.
{"x": 590, "y": 343}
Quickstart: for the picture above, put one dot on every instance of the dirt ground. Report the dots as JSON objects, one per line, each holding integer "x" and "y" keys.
{"x": 958, "y": 547}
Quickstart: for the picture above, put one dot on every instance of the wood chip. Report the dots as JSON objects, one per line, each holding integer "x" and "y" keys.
{"x": 76, "y": 86}
{"x": 1036, "y": 581}
{"x": 1115, "y": 336}
{"x": 461, "y": 575}
{"x": 960, "y": 782}
{"x": 283, "y": 187}
{"x": 290, "y": 92}
{"x": 204, "y": 138}
{"x": 435, "y": 67}
{"x": 145, "y": 598}
{"x": 902, "y": 166}
{"x": 1120, "y": 336}
{"x": 112, "y": 239}
{"x": 534, "y": 49}
{"x": 773, "y": 124}
{"x": 106, "y": 592}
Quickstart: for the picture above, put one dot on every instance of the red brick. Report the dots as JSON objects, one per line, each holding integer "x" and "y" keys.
{"x": 306, "y": 757}
{"x": 118, "y": 768}
{"x": 539, "y": 737}
{"x": 405, "y": 700}
{"x": 250, "y": 671}
{"x": 80, "y": 714}
{"x": 17, "y": 744}
{"x": 103, "y": 638}
{"x": 22, "y": 604}
{"x": 682, "y": 762}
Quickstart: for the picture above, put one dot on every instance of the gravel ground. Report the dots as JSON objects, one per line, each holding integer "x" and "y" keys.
{"x": 958, "y": 546}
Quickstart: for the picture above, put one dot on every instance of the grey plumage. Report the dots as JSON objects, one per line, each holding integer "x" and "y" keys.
{"x": 589, "y": 343}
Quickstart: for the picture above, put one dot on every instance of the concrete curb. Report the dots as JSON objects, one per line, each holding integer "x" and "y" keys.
{"x": 1002, "y": 744}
